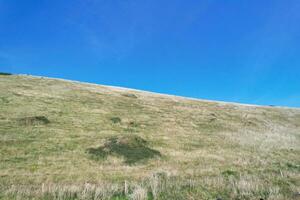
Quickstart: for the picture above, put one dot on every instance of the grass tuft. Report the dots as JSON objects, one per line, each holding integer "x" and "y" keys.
{"x": 228, "y": 173}
{"x": 32, "y": 121}
{"x": 115, "y": 120}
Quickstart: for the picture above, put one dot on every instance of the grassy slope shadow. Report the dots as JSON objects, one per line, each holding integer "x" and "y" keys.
{"x": 132, "y": 148}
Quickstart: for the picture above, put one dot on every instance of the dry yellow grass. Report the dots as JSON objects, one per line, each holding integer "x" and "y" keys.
{"x": 208, "y": 149}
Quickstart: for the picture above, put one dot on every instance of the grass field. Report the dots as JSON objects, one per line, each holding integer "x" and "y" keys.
{"x": 68, "y": 140}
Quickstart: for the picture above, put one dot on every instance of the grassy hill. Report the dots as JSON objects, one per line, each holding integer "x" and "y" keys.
{"x": 69, "y": 140}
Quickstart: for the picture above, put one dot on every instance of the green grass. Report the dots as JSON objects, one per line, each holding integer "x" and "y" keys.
{"x": 116, "y": 120}
{"x": 68, "y": 140}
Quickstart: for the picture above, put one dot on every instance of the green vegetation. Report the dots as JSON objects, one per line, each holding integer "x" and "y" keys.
{"x": 68, "y": 140}
{"x": 36, "y": 120}
{"x": 116, "y": 120}
{"x": 133, "y": 148}
{"x": 5, "y": 74}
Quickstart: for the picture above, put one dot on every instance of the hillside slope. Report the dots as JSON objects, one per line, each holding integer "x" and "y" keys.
{"x": 64, "y": 140}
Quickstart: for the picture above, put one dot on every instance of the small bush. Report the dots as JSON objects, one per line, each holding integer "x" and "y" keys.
{"x": 292, "y": 166}
{"x": 132, "y": 148}
{"x": 115, "y": 120}
{"x": 229, "y": 172}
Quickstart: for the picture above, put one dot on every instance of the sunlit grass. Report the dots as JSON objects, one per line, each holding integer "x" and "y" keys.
{"x": 66, "y": 140}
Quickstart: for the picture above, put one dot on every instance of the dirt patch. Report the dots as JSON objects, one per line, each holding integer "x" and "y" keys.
{"x": 31, "y": 121}
{"x": 130, "y": 95}
{"x": 132, "y": 148}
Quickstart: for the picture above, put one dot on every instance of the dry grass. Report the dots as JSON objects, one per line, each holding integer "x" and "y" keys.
{"x": 208, "y": 149}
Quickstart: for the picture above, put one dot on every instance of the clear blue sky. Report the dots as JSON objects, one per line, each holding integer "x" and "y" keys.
{"x": 241, "y": 51}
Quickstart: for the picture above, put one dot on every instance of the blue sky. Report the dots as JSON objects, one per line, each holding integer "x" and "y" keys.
{"x": 244, "y": 51}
